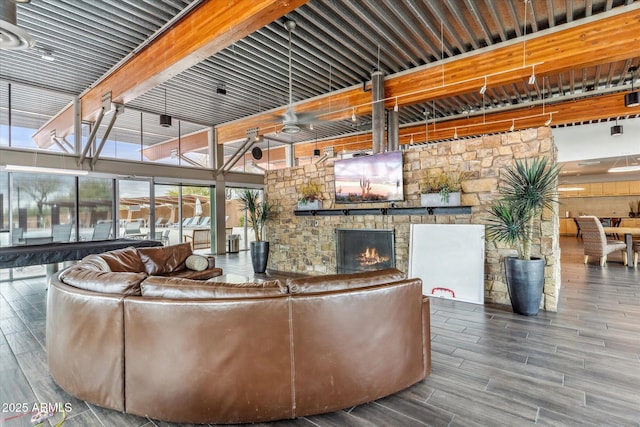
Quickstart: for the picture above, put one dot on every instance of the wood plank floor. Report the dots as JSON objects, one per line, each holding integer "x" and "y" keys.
{"x": 579, "y": 366}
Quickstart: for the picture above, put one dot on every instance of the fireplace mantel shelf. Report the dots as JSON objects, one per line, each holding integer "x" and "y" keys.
{"x": 449, "y": 210}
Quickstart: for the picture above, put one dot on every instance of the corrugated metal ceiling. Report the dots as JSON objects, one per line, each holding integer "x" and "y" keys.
{"x": 336, "y": 45}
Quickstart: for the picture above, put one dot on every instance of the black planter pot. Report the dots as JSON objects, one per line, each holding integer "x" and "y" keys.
{"x": 259, "y": 256}
{"x": 525, "y": 282}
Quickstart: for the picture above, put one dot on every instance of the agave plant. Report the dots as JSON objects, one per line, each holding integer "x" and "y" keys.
{"x": 526, "y": 189}
{"x": 259, "y": 211}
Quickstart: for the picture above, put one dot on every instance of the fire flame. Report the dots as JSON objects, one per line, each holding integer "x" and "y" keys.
{"x": 370, "y": 256}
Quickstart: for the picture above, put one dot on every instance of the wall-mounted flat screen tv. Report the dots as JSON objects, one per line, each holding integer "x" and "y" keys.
{"x": 375, "y": 178}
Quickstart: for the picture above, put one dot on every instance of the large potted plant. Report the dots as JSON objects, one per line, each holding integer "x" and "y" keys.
{"x": 526, "y": 189}
{"x": 258, "y": 212}
{"x": 442, "y": 189}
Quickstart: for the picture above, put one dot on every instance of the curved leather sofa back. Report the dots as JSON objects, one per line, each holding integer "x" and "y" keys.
{"x": 239, "y": 360}
{"x": 85, "y": 343}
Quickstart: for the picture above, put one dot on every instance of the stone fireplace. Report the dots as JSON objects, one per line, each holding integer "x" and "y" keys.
{"x": 364, "y": 250}
{"x": 307, "y": 244}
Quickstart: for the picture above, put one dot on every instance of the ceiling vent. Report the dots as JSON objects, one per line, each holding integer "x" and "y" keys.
{"x": 12, "y": 37}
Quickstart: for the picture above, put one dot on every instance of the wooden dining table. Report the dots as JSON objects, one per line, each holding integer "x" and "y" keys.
{"x": 628, "y": 232}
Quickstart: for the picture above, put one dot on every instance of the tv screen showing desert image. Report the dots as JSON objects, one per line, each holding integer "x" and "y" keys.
{"x": 376, "y": 178}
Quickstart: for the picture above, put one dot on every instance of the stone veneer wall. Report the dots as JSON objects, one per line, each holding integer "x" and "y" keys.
{"x": 307, "y": 244}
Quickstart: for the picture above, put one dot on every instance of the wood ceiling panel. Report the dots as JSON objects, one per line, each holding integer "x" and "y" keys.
{"x": 605, "y": 40}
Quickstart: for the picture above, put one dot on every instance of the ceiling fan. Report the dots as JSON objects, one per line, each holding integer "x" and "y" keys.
{"x": 13, "y": 37}
{"x": 291, "y": 120}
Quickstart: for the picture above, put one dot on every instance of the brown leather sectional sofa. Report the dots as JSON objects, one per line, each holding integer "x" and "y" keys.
{"x": 189, "y": 351}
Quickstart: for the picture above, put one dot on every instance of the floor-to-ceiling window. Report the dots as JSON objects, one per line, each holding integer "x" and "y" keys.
{"x": 134, "y": 208}
{"x": 43, "y": 208}
{"x": 96, "y": 208}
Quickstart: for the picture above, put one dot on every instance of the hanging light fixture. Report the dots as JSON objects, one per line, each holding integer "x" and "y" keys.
{"x": 616, "y": 130}
{"x": 353, "y": 115}
{"x": 632, "y": 99}
{"x": 532, "y": 77}
{"x": 411, "y": 140}
{"x": 165, "y": 120}
{"x": 426, "y": 126}
{"x": 395, "y": 107}
{"x": 548, "y": 122}
{"x": 316, "y": 151}
{"x": 513, "y": 125}
{"x": 455, "y": 133}
{"x": 483, "y": 89}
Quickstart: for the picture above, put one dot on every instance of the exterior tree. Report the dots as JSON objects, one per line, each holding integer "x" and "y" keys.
{"x": 39, "y": 190}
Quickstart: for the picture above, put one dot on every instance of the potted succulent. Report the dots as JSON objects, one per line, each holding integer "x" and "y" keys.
{"x": 310, "y": 197}
{"x": 258, "y": 213}
{"x": 526, "y": 189}
{"x": 442, "y": 189}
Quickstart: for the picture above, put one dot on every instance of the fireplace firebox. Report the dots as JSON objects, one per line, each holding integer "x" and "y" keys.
{"x": 364, "y": 250}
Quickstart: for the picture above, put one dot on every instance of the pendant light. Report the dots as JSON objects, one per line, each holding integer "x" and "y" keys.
{"x": 165, "y": 120}
{"x": 632, "y": 99}
{"x": 316, "y": 151}
{"x": 617, "y": 129}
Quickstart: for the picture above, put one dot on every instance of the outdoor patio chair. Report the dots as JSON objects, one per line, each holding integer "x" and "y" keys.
{"x": 17, "y": 236}
{"x": 102, "y": 231}
{"x": 595, "y": 241}
{"x": 61, "y": 232}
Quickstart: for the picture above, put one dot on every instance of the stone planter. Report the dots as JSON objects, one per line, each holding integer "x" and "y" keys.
{"x": 434, "y": 200}
{"x": 310, "y": 206}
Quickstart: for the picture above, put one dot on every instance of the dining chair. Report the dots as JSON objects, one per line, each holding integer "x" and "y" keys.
{"x": 615, "y": 222}
{"x": 578, "y": 234}
{"x": 595, "y": 241}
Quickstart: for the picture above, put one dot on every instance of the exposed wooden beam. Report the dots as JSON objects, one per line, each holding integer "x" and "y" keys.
{"x": 567, "y": 112}
{"x": 192, "y": 142}
{"x": 209, "y": 28}
{"x": 602, "y": 40}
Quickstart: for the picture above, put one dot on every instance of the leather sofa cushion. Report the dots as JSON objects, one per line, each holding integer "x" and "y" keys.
{"x": 96, "y": 263}
{"x": 164, "y": 259}
{"x": 197, "y": 275}
{"x": 338, "y": 282}
{"x": 101, "y": 281}
{"x": 123, "y": 260}
{"x": 179, "y": 288}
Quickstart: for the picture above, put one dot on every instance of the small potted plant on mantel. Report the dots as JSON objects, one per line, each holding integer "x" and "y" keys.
{"x": 442, "y": 189}
{"x": 310, "y": 197}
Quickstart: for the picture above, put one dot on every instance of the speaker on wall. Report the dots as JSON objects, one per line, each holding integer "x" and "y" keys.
{"x": 256, "y": 152}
